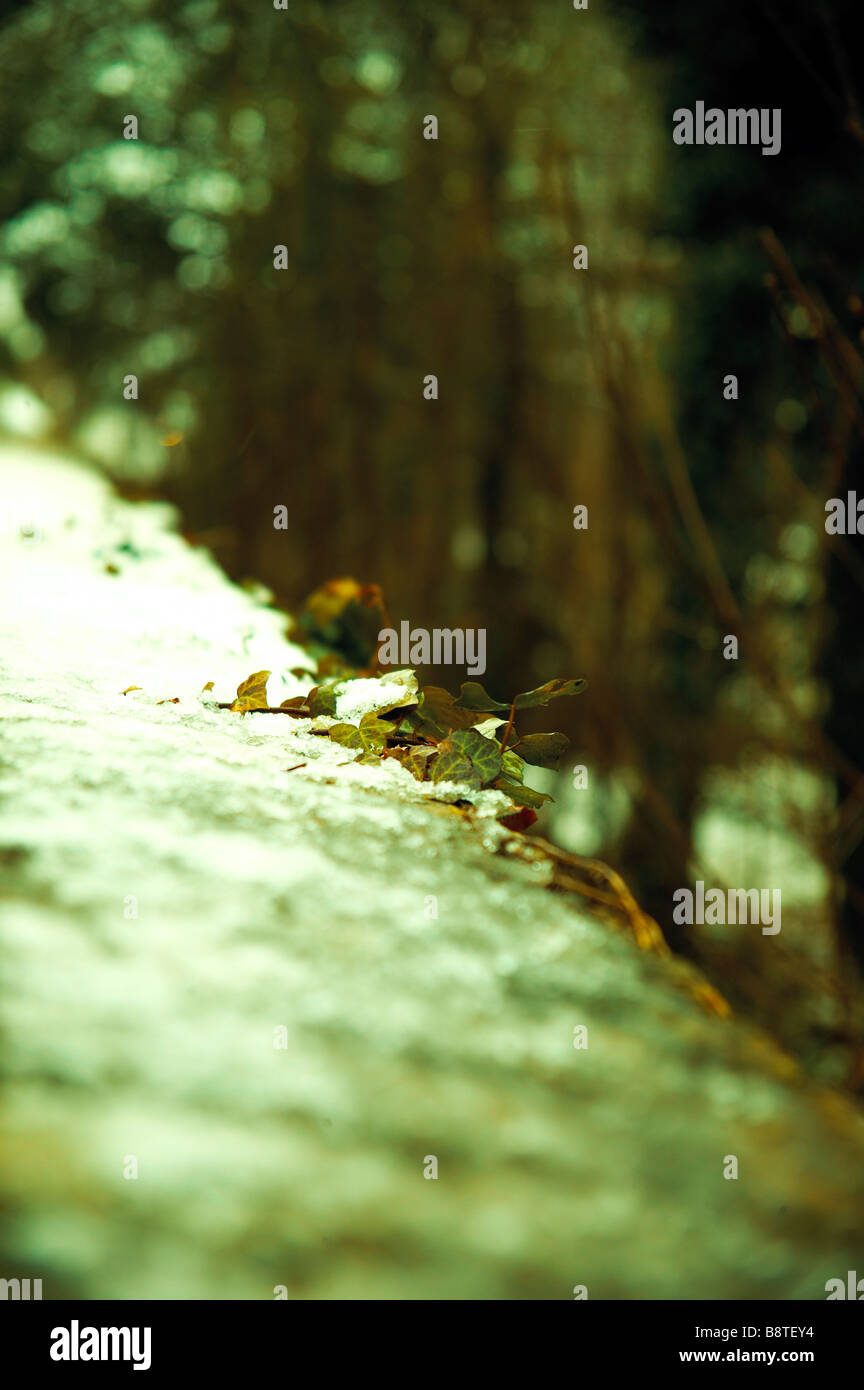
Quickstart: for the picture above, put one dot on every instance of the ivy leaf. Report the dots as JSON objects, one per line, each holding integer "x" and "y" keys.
{"x": 322, "y": 700}
{"x": 370, "y": 737}
{"x": 399, "y": 755}
{"x": 438, "y": 713}
{"x": 252, "y": 693}
{"x": 519, "y": 820}
{"x": 453, "y": 766}
{"x": 466, "y": 756}
{"x": 473, "y": 696}
{"x": 405, "y": 682}
{"x": 543, "y": 750}
{"x": 483, "y": 753}
{"x": 523, "y": 796}
{"x": 550, "y": 691}
{"x": 513, "y": 765}
{"x": 137, "y": 687}
{"x": 489, "y": 727}
{"x": 372, "y": 723}
{"x": 418, "y": 762}
{"x": 296, "y": 702}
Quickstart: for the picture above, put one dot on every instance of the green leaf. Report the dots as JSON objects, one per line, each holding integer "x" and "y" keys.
{"x": 543, "y": 750}
{"x": 451, "y": 766}
{"x": 371, "y": 723}
{"x": 523, "y": 796}
{"x": 466, "y": 756}
{"x": 483, "y": 753}
{"x": 473, "y": 696}
{"x": 550, "y": 691}
{"x": 513, "y": 765}
{"x": 252, "y": 693}
{"x": 371, "y": 737}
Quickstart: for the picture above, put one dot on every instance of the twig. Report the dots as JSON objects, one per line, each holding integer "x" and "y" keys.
{"x": 302, "y": 713}
{"x": 509, "y": 728}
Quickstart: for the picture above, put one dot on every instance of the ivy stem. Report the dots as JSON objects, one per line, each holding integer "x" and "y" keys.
{"x": 509, "y": 729}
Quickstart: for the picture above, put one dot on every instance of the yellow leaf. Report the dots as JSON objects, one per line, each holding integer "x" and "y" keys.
{"x": 252, "y": 693}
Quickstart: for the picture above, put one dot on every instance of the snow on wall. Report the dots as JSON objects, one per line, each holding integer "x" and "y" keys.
{"x": 277, "y": 994}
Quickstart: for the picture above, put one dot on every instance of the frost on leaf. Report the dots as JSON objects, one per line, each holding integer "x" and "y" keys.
{"x": 376, "y": 694}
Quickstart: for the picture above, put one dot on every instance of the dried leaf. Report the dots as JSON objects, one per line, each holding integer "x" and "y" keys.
{"x": 208, "y": 686}
{"x": 322, "y": 700}
{"x": 128, "y": 688}
{"x": 519, "y": 820}
{"x": 438, "y": 713}
{"x": 252, "y": 693}
{"x": 418, "y": 762}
